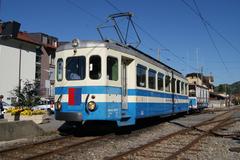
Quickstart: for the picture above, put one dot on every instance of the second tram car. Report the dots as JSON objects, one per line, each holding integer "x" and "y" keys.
{"x": 198, "y": 97}
{"x": 108, "y": 81}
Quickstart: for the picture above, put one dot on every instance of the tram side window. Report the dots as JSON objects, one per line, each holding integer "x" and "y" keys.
{"x": 75, "y": 68}
{"x": 178, "y": 86}
{"x": 182, "y": 88}
{"x": 95, "y": 67}
{"x": 60, "y": 69}
{"x": 112, "y": 68}
{"x": 173, "y": 85}
{"x": 152, "y": 79}
{"x": 167, "y": 83}
{"x": 141, "y": 76}
{"x": 160, "y": 81}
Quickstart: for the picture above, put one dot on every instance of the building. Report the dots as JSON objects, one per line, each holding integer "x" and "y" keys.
{"x": 201, "y": 80}
{"x": 26, "y": 56}
{"x": 17, "y": 63}
{"x": 208, "y": 81}
{"x": 45, "y": 63}
{"x": 195, "y": 78}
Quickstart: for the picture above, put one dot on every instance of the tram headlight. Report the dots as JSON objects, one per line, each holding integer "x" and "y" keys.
{"x": 58, "y": 105}
{"x": 91, "y": 106}
{"x": 75, "y": 43}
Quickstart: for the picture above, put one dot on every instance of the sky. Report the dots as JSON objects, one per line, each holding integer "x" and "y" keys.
{"x": 168, "y": 25}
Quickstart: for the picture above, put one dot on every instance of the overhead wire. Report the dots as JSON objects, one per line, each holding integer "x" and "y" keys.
{"x": 212, "y": 27}
{"x": 210, "y": 36}
{"x": 153, "y": 38}
{"x": 84, "y": 10}
{"x": 111, "y": 4}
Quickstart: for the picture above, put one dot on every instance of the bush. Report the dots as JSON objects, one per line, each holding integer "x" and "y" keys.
{"x": 28, "y": 95}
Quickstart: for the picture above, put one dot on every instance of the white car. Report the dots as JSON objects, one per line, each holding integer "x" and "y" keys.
{"x": 48, "y": 107}
{"x": 6, "y": 106}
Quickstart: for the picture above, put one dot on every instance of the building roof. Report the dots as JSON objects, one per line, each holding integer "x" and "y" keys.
{"x": 207, "y": 78}
{"x": 194, "y": 75}
{"x": 25, "y": 37}
{"x": 37, "y": 36}
{"x": 22, "y": 41}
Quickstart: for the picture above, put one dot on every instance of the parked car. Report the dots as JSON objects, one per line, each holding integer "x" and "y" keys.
{"x": 45, "y": 105}
{"x": 6, "y": 106}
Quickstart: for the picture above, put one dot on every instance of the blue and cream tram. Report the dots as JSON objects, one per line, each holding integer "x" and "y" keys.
{"x": 107, "y": 81}
{"x": 198, "y": 97}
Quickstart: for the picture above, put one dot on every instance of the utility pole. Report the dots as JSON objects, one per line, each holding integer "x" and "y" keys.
{"x": 197, "y": 64}
{"x": 19, "y": 71}
{"x": 202, "y": 74}
{"x": 158, "y": 53}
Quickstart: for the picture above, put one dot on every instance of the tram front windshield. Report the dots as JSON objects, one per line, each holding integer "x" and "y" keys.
{"x": 75, "y": 68}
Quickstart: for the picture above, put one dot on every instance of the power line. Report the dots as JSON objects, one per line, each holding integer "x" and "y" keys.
{"x": 111, "y": 4}
{"x": 212, "y": 27}
{"x": 152, "y": 37}
{"x": 210, "y": 36}
{"x": 84, "y": 10}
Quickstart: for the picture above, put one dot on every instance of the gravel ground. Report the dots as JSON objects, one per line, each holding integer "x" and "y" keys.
{"x": 217, "y": 148}
{"x": 213, "y": 148}
{"x": 122, "y": 143}
{"x": 193, "y": 119}
{"x": 119, "y": 143}
{"x": 210, "y": 148}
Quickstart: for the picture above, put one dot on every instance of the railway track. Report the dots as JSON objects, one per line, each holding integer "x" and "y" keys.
{"x": 42, "y": 149}
{"x": 171, "y": 146}
{"x": 45, "y": 149}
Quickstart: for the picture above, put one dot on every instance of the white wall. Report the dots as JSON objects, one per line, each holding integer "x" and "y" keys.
{"x": 9, "y": 69}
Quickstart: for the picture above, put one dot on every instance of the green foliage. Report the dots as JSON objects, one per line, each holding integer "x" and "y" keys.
{"x": 229, "y": 89}
{"x": 27, "y": 96}
{"x": 233, "y": 90}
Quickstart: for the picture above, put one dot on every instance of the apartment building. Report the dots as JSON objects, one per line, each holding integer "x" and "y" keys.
{"x": 26, "y": 56}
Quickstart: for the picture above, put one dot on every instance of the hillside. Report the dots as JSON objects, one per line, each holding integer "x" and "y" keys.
{"x": 230, "y": 88}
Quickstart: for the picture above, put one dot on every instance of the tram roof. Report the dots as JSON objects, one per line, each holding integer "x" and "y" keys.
{"x": 122, "y": 48}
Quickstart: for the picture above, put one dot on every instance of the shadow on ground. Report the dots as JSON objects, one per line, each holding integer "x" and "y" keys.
{"x": 100, "y": 128}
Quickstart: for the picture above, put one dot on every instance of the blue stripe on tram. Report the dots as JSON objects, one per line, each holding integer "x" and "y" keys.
{"x": 117, "y": 90}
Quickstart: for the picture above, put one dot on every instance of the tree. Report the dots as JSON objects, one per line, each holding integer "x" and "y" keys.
{"x": 28, "y": 95}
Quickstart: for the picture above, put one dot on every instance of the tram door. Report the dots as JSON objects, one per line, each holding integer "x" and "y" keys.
{"x": 124, "y": 65}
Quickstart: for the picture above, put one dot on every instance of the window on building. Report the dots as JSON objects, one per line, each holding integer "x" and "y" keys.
{"x": 141, "y": 76}
{"x": 38, "y": 71}
{"x": 173, "y": 85}
{"x": 112, "y": 68}
{"x": 178, "y": 86}
{"x": 44, "y": 40}
{"x": 182, "y": 88}
{"x": 95, "y": 67}
{"x": 38, "y": 59}
{"x": 167, "y": 84}
{"x": 59, "y": 69}
{"x": 151, "y": 79}
{"x": 160, "y": 81}
{"x": 75, "y": 68}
